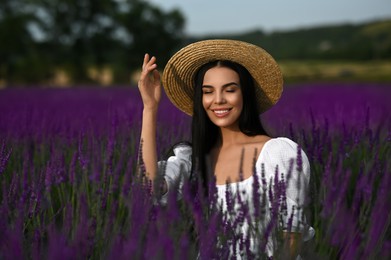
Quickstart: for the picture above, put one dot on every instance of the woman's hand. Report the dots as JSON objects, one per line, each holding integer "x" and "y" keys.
{"x": 149, "y": 84}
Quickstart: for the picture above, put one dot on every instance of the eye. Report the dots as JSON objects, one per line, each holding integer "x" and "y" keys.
{"x": 207, "y": 91}
{"x": 230, "y": 90}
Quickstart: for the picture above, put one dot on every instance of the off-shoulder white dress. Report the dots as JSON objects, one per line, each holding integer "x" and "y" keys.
{"x": 278, "y": 152}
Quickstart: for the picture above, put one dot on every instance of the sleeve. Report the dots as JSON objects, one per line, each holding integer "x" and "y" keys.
{"x": 286, "y": 158}
{"x": 176, "y": 170}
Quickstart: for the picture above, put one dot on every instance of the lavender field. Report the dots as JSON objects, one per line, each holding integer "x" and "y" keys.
{"x": 70, "y": 190}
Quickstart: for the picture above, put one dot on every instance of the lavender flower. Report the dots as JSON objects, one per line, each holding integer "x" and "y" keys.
{"x": 54, "y": 142}
{"x": 4, "y": 156}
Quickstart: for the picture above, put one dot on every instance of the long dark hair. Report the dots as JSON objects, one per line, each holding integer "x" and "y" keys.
{"x": 205, "y": 134}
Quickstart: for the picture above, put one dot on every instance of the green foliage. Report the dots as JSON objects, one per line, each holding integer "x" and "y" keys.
{"x": 365, "y": 41}
{"x": 40, "y": 37}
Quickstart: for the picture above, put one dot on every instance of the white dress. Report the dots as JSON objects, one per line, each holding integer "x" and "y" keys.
{"x": 277, "y": 152}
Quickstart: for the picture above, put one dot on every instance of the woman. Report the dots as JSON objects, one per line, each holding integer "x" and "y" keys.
{"x": 225, "y": 85}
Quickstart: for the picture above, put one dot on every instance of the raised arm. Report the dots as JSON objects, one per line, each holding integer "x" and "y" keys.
{"x": 150, "y": 90}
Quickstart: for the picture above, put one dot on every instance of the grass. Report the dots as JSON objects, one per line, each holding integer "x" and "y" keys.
{"x": 337, "y": 71}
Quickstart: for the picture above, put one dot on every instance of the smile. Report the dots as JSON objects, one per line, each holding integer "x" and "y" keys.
{"x": 221, "y": 112}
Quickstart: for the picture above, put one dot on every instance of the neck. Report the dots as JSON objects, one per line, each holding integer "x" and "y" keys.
{"x": 229, "y": 136}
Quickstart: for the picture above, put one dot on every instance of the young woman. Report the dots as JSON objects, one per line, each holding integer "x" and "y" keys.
{"x": 225, "y": 85}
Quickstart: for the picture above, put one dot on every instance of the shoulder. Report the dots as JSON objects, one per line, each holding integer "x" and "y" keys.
{"x": 282, "y": 150}
{"x": 178, "y": 162}
{"x": 256, "y": 142}
{"x": 182, "y": 151}
{"x": 282, "y": 145}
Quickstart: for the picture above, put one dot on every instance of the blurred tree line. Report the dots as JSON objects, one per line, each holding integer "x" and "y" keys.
{"x": 354, "y": 42}
{"x": 43, "y": 40}
{"x": 38, "y": 38}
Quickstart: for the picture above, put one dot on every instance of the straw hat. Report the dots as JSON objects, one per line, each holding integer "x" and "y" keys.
{"x": 179, "y": 73}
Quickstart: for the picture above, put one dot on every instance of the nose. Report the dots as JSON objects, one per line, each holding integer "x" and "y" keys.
{"x": 219, "y": 98}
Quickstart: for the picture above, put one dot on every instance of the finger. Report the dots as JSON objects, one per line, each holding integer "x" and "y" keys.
{"x": 148, "y": 66}
{"x": 147, "y": 70}
{"x": 152, "y": 60}
{"x": 156, "y": 76}
{"x": 151, "y": 65}
{"x": 145, "y": 61}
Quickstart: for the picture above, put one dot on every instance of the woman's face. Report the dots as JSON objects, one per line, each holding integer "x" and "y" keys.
{"x": 222, "y": 97}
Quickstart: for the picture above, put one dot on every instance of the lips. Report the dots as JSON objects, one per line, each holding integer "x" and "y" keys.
{"x": 221, "y": 112}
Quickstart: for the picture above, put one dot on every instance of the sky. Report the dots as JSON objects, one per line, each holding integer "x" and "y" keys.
{"x": 227, "y": 16}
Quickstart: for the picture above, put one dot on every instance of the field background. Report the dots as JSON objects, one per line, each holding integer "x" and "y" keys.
{"x": 70, "y": 186}
{"x": 70, "y": 123}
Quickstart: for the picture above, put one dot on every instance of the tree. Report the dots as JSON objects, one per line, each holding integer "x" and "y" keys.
{"x": 146, "y": 28}
{"x": 18, "y": 53}
{"x": 75, "y": 35}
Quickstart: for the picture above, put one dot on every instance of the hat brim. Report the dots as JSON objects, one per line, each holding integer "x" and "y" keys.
{"x": 180, "y": 70}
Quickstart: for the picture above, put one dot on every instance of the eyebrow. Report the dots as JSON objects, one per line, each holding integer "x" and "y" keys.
{"x": 224, "y": 86}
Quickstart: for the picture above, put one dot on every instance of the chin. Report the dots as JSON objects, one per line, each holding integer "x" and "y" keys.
{"x": 221, "y": 124}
